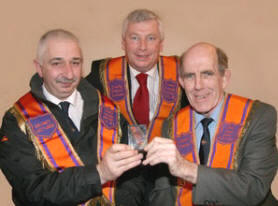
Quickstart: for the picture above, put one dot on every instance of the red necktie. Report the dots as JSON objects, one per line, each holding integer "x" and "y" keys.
{"x": 141, "y": 100}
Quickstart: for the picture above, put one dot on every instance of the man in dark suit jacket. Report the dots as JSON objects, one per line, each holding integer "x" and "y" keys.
{"x": 52, "y": 155}
{"x": 150, "y": 102}
{"x": 221, "y": 149}
{"x": 142, "y": 41}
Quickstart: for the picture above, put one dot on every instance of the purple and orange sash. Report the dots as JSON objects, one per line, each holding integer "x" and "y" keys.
{"x": 52, "y": 145}
{"x": 114, "y": 78}
{"x": 108, "y": 134}
{"x": 224, "y": 145}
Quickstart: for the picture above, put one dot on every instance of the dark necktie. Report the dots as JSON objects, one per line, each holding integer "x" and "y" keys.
{"x": 65, "y": 109}
{"x": 205, "y": 141}
{"x": 141, "y": 100}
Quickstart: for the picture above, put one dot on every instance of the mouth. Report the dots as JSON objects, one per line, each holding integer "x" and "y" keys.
{"x": 66, "y": 84}
{"x": 142, "y": 56}
{"x": 201, "y": 98}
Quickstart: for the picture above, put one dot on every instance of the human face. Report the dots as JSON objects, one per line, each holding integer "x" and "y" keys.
{"x": 61, "y": 67}
{"x": 203, "y": 83}
{"x": 142, "y": 44}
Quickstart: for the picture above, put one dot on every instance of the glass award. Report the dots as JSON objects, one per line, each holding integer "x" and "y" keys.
{"x": 137, "y": 137}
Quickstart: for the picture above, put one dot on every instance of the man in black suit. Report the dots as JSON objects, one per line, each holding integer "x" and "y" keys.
{"x": 119, "y": 78}
{"x": 56, "y": 148}
{"x": 143, "y": 84}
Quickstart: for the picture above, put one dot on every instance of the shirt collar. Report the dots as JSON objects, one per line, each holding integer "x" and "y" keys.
{"x": 150, "y": 73}
{"x": 72, "y": 99}
{"x": 214, "y": 115}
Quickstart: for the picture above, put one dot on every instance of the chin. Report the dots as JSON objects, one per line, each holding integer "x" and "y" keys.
{"x": 201, "y": 110}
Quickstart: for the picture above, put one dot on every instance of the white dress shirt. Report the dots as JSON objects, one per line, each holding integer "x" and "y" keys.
{"x": 152, "y": 84}
{"x": 75, "y": 108}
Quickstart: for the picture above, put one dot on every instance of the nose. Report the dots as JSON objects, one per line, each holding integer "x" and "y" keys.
{"x": 143, "y": 44}
{"x": 198, "y": 83}
{"x": 68, "y": 71}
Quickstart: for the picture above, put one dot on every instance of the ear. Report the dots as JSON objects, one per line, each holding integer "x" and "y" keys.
{"x": 161, "y": 45}
{"x": 226, "y": 78}
{"x": 38, "y": 67}
{"x": 181, "y": 81}
{"x": 123, "y": 44}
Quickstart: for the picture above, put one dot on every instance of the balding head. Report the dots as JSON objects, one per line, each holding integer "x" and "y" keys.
{"x": 204, "y": 48}
{"x": 204, "y": 76}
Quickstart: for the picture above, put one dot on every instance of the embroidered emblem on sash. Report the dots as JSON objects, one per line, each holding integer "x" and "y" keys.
{"x": 184, "y": 143}
{"x": 43, "y": 125}
{"x": 169, "y": 91}
{"x": 228, "y": 133}
{"x": 117, "y": 89}
{"x": 108, "y": 117}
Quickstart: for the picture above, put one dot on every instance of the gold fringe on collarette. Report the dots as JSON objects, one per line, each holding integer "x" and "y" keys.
{"x": 19, "y": 118}
{"x": 253, "y": 110}
{"x": 27, "y": 130}
{"x": 102, "y": 67}
{"x": 99, "y": 201}
{"x": 180, "y": 91}
{"x": 119, "y": 130}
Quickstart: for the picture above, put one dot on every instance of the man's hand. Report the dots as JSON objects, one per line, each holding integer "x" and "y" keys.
{"x": 117, "y": 159}
{"x": 162, "y": 150}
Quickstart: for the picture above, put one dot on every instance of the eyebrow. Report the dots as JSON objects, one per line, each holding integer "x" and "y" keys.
{"x": 55, "y": 58}
{"x": 185, "y": 73}
{"x": 77, "y": 58}
{"x": 60, "y": 58}
{"x": 206, "y": 71}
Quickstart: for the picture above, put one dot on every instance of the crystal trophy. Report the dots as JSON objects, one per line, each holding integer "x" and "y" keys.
{"x": 137, "y": 137}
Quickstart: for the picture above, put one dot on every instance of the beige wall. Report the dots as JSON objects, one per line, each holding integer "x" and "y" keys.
{"x": 246, "y": 30}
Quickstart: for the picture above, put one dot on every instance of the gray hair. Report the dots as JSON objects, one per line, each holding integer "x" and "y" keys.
{"x": 141, "y": 15}
{"x": 222, "y": 60}
{"x": 56, "y": 34}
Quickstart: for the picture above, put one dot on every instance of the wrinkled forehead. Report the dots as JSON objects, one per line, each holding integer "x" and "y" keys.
{"x": 151, "y": 25}
{"x": 61, "y": 47}
{"x": 201, "y": 57}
